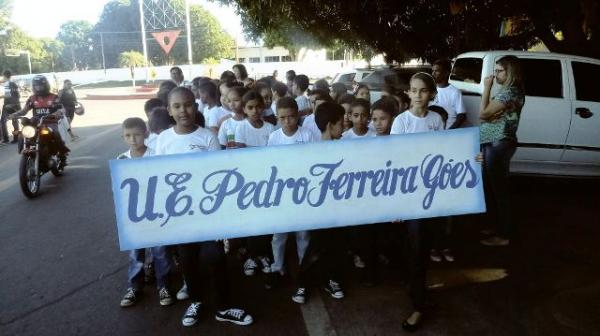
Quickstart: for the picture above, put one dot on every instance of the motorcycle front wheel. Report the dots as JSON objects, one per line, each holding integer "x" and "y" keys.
{"x": 29, "y": 176}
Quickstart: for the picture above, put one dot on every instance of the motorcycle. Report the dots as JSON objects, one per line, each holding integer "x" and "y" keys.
{"x": 39, "y": 154}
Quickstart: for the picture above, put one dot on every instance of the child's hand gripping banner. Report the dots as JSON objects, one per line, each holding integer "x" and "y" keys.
{"x": 173, "y": 199}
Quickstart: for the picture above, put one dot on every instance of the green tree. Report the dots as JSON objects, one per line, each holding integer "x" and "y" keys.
{"x": 76, "y": 36}
{"x": 429, "y": 29}
{"x": 131, "y": 58}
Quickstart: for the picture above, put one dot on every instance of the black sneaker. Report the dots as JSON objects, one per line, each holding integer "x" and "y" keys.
{"x": 191, "y": 315}
{"x": 300, "y": 295}
{"x": 130, "y": 298}
{"x": 236, "y": 316}
{"x": 334, "y": 289}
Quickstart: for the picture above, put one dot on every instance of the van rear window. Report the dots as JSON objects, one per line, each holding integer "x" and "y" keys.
{"x": 467, "y": 70}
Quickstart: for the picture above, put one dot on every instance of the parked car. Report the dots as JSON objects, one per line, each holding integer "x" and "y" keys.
{"x": 350, "y": 77}
{"x": 559, "y": 128}
{"x": 398, "y": 78}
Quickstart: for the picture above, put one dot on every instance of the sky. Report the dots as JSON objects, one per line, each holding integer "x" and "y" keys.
{"x": 42, "y": 18}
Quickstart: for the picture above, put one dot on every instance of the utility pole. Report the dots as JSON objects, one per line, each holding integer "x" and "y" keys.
{"x": 144, "y": 37}
{"x": 102, "y": 48}
{"x": 189, "y": 36}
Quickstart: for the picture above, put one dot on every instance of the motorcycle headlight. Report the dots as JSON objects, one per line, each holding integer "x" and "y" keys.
{"x": 28, "y": 131}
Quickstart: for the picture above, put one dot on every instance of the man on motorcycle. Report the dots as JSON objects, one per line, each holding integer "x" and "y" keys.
{"x": 44, "y": 104}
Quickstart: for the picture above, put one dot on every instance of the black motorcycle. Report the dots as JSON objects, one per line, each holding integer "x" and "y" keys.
{"x": 39, "y": 154}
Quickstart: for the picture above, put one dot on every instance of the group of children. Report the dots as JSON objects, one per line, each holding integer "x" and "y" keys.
{"x": 229, "y": 115}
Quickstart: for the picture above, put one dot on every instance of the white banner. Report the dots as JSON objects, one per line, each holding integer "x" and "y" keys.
{"x": 172, "y": 199}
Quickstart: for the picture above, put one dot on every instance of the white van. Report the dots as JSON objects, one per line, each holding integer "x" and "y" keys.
{"x": 559, "y": 130}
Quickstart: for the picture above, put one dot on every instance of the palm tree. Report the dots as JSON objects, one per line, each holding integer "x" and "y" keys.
{"x": 131, "y": 59}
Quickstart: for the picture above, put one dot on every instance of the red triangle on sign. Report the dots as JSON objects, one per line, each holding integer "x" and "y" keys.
{"x": 166, "y": 39}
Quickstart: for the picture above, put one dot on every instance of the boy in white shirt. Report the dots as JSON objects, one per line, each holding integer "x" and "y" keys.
{"x": 324, "y": 254}
{"x": 316, "y": 98}
{"x": 360, "y": 116}
{"x": 187, "y": 137}
{"x": 299, "y": 88}
{"x": 279, "y": 90}
{"x": 289, "y": 133}
{"x": 448, "y": 96}
{"x": 230, "y": 122}
{"x": 134, "y": 134}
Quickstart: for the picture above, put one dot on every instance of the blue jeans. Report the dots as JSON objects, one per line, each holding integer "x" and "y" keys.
{"x": 496, "y": 165}
{"x": 162, "y": 266}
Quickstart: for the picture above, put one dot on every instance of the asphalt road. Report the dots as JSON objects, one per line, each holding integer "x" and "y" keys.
{"x": 61, "y": 272}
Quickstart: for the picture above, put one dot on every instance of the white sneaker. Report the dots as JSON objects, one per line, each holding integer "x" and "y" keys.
{"x": 495, "y": 241}
{"x": 183, "y": 293}
{"x": 250, "y": 267}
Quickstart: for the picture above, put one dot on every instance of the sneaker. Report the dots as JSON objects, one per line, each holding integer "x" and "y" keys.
{"x": 300, "y": 295}
{"x": 448, "y": 255}
{"x": 434, "y": 255}
{"x": 250, "y": 267}
{"x": 265, "y": 262}
{"x": 191, "y": 315}
{"x": 495, "y": 241}
{"x": 236, "y": 316}
{"x": 130, "y": 298}
{"x": 334, "y": 289}
{"x": 183, "y": 293}
{"x": 358, "y": 262}
{"x": 165, "y": 297}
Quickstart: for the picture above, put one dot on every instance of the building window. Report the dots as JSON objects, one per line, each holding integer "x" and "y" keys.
{"x": 241, "y": 60}
{"x": 254, "y": 59}
{"x": 286, "y": 58}
{"x": 271, "y": 58}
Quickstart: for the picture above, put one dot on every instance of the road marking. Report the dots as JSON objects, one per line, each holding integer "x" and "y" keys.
{"x": 316, "y": 318}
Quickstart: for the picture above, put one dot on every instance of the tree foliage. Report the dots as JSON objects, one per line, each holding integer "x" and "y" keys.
{"x": 76, "y": 37}
{"x": 132, "y": 58}
{"x": 405, "y": 29}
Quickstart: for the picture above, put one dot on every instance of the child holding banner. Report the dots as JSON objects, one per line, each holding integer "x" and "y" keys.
{"x": 230, "y": 122}
{"x": 289, "y": 133}
{"x": 415, "y": 120}
{"x": 134, "y": 134}
{"x": 187, "y": 137}
{"x": 324, "y": 255}
{"x": 254, "y": 132}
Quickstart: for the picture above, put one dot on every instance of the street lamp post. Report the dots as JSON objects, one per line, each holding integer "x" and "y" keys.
{"x": 28, "y": 58}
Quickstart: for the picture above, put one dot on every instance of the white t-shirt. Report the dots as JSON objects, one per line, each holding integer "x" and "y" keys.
{"x": 228, "y": 129}
{"x": 303, "y": 104}
{"x": 200, "y": 140}
{"x": 214, "y": 115}
{"x": 200, "y": 105}
{"x": 350, "y": 134}
{"x": 150, "y": 141}
{"x": 310, "y": 124}
{"x": 301, "y": 136}
{"x": 407, "y": 122}
{"x": 127, "y": 155}
{"x": 450, "y": 98}
{"x": 251, "y": 136}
